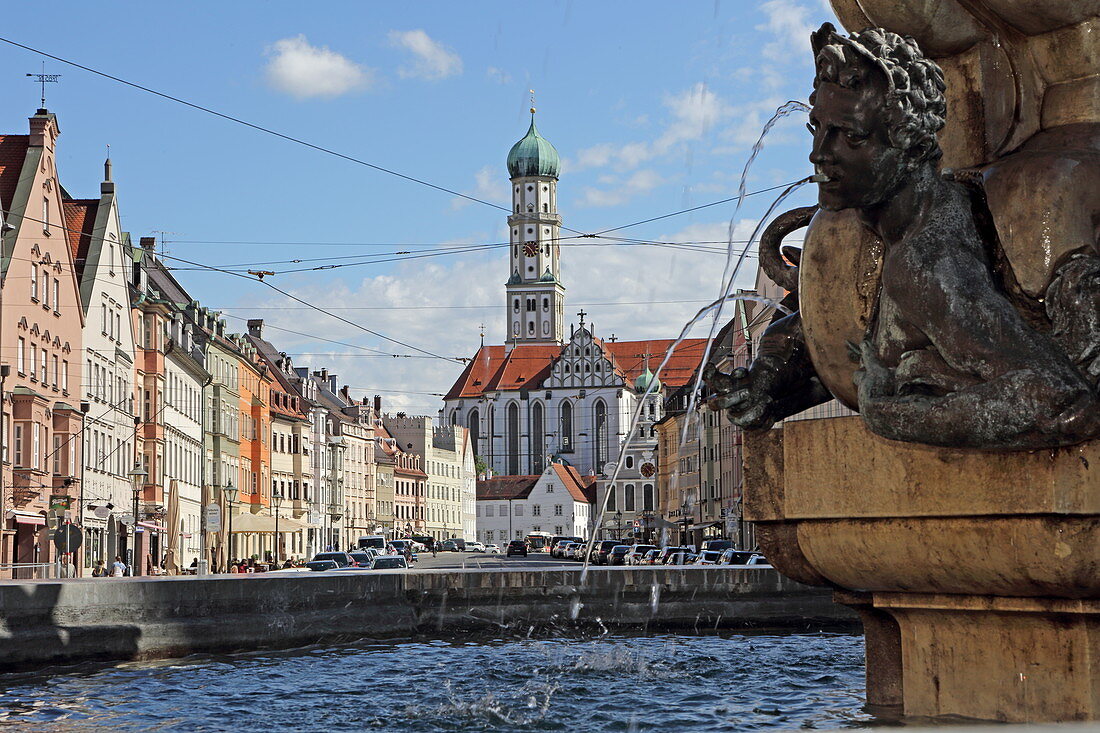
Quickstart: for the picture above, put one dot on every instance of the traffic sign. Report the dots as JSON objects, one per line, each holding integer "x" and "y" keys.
{"x": 213, "y": 518}
{"x": 68, "y": 537}
{"x": 102, "y": 512}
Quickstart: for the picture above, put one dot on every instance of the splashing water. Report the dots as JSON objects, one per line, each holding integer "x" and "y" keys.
{"x": 730, "y": 278}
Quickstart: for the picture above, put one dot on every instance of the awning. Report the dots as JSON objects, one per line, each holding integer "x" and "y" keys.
{"x": 21, "y": 517}
{"x": 705, "y": 525}
{"x": 264, "y": 524}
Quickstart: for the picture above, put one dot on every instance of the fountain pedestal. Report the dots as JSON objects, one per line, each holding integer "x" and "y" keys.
{"x": 977, "y": 574}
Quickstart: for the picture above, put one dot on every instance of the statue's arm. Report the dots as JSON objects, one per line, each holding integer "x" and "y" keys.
{"x": 1019, "y": 391}
{"x": 780, "y": 382}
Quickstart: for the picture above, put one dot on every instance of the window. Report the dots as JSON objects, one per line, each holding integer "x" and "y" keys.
{"x": 17, "y": 441}
{"x": 566, "y": 426}
{"x": 518, "y": 510}
{"x": 46, "y": 288}
{"x": 550, "y": 488}
{"x": 56, "y": 295}
{"x": 504, "y": 510}
{"x": 647, "y": 497}
{"x": 628, "y": 498}
{"x": 630, "y": 461}
{"x": 536, "y": 510}
{"x": 21, "y": 355}
{"x": 45, "y": 369}
{"x": 57, "y": 454}
{"x": 34, "y": 361}
{"x": 46, "y": 216}
{"x": 557, "y": 511}
{"x": 34, "y": 281}
{"x": 611, "y": 498}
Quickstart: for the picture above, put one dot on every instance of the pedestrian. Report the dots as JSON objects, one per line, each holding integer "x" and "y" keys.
{"x": 100, "y": 570}
{"x": 233, "y": 569}
{"x": 118, "y": 568}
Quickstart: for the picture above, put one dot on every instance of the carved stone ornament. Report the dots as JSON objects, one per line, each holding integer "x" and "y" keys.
{"x": 952, "y": 306}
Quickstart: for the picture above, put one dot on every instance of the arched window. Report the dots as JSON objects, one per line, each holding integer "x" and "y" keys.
{"x": 600, "y": 431}
{"x": 454, "y": 417}
{"x": 512, "y": 429}
{"x": 611, "y": 503}
{"x": 630, "y": 461}
{"x": 647, "y": 497}
{"x": 490, "y": 425}
{"x": 566, "y": 426}
{"x": 628, "y": 498}
{"x": 472, "y": 423}
{"x": 538, "y": 443}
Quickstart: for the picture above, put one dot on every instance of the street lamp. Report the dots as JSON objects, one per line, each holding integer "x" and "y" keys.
{"x": 138, "y": 476}
{"x": 231, "y": 499}
{"x": 276, "y": 501}
{"x": 647, "y": 524}
{"x": 334, "y": 514}
{"x": 619, "y": 525}
{"x": 686, "y": 519}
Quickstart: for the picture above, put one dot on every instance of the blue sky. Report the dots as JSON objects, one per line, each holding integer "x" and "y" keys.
{"x": 653, "y": 107}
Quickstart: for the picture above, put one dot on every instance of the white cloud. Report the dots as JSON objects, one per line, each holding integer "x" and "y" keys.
{"x": 790, "y": 26}
{"x": 304, "y": 71}
{"x": 620, "y": 190}
{"x": 489, "y": 186}
{"x": 439, "y": 304}
{"x": 500, "y": 76}
{"x": 431, "y": 59}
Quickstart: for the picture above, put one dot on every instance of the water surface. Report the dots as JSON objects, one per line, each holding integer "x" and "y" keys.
{"x": 613, "y": 682}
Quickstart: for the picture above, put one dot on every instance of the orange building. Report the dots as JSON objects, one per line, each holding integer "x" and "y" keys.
{"x": 254, "y": 386}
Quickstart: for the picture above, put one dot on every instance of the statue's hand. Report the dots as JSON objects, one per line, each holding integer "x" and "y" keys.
{"x": 746, "y": 402}
{"x": 873, "y": 379}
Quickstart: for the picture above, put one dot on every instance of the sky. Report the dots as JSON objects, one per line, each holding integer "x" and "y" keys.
{"x": 653, "y": 107}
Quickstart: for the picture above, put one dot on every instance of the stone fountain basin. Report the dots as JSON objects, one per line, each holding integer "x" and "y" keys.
{"x": 840, "y": 506}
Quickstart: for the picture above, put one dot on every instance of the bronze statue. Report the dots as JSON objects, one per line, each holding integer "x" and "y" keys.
{"x": 960, "y": 346}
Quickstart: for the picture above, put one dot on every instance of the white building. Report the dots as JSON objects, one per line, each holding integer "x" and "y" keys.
{"x": 558, "y": 501}
{"x": 103, "y": 265}
{"x": 449, "y": 462}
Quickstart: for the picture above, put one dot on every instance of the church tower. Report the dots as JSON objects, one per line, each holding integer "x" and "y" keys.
{"x": 535, "y": 295}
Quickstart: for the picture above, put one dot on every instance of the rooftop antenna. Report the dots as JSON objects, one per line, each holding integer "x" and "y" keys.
{"x": 44, "y": 79}
{"x": 162, "y": 250}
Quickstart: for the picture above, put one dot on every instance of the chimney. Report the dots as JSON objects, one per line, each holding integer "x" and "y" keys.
{"x": 346, "y": 394}
{"x": 107, "y": 186}
{"x": 149, "y": 244}
{"x": 256, "y": 327}
{"x": 377, "y": 404}
{"x": 333, "y": 384}
{"x": 44, "y": 129}
{"x": 322, "y": 374}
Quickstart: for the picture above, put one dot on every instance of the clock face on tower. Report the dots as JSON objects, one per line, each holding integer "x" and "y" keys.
{"x": 531, "y": 249}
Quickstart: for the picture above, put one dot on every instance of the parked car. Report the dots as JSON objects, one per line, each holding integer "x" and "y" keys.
{"x": 650, "y": 557}
{"x": 517, "y": 547}
{"x": 450, "y": 546}
{"x": 759, "y": 560}
{"x": 637, "y": 553}
{"x": 617, "y": 555}
{"x": 676, "y": 556}
{"x": 472, "y": 546}
{"x": 492, "y": 549}
{"x": 708, "y": 557}
{"x": 321, "y": 565}
{"x": 340, "y": 559}
{"x": 401, "y": 545}
{"x": 389, "y": 562}
{"x": 601, "y": 551}
{"x": 735, "y": 557}
{"x": 558, "y": 548}
{"x": 719, "y": 545}
{"x": 565, "y": 552}
{"x": 363, "y": 559}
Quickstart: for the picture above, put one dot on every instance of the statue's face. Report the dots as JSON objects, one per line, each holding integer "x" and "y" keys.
{"x": 851, "y": 147}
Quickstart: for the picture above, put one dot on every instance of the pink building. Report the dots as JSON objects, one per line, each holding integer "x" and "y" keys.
{"x": 40, "y": 340}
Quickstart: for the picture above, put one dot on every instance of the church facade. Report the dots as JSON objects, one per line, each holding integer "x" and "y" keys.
{"x": 544, "y": 396}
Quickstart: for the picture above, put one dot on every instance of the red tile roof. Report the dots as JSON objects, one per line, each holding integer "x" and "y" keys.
{"x": 80, "y": 215}
{"x": 528, "y": 365}
{"x": 13, "y": 151}
{"x": 506, "y": 487}
{"x": 581, "y": 488}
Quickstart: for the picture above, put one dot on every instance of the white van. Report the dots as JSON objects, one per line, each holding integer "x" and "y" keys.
{"x": 375, "y": 541}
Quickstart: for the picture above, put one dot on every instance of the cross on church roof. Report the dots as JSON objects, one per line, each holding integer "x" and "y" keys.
{"x": 582, "y": 314}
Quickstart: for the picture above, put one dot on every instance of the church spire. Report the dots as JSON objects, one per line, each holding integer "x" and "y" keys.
{"x": 535, "y": 295}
